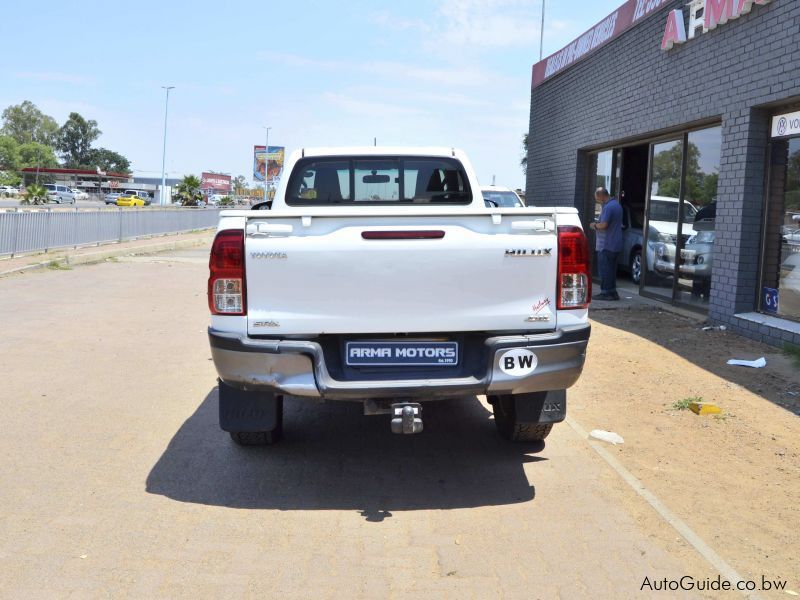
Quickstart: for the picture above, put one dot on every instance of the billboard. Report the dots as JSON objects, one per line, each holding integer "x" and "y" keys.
{"x": 271, "y": 166}
{"x": 217, "y": 183}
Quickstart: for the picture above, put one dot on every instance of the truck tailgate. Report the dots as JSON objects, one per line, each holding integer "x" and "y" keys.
{"x": 352, "y": 275}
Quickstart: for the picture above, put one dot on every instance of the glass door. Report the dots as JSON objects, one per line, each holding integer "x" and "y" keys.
{"x": 662, "y": 219}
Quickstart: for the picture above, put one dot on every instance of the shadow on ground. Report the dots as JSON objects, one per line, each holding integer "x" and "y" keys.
{"x": 710, "y": 350}
{"x": 333, "y": 457}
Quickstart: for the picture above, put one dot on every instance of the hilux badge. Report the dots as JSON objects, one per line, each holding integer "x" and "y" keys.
{"x": 529, "y": 252}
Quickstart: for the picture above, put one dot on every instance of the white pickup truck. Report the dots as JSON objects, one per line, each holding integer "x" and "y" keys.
{"x": 379, "y": 276}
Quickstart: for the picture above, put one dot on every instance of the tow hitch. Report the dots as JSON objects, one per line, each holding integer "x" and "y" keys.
{"x": 406, "y": 418}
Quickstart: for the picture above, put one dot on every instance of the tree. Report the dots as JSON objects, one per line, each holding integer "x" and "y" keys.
{"x": 523, "y": 162}
{"x": 34, "y": 194}
{"x": 26, "y": 123}
{"x": 75, "y": 139}
{"x": 39, "y": 155}
{"x": 239, "y": 185}
{"x": 9, "y": 153}
{"x": 107, "y": 160}
{"x": 189, "y": 191}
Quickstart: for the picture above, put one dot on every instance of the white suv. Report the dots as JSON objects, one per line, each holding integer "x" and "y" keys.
{"x": 60, "y": 194}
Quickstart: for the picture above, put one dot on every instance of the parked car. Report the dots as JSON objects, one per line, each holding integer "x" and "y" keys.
{"x": 60, "y": 194}
{"x": 8, "y": 190}
{"x": 500, "y": 197}
{"x": 663, "y": 229}
{"x": 130, "y": 200}
{"x": 111, "y": 198}
{"x": 79, "y": 194}
{"x": 142, "y": 195}
{"x": 382, "y": 279}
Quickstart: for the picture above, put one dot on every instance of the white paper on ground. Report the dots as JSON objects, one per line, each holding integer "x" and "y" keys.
{"x": 756, "y": 364}
{"x": 606, "y": 436}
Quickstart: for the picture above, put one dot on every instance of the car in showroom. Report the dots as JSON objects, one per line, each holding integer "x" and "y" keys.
{"x": 662, "y": 236}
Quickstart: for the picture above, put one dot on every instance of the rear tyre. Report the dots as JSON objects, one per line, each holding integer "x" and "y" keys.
{"x": 505, "y": 418}
{"x": 256, "y": 438}
{"x": 263, "y": 438}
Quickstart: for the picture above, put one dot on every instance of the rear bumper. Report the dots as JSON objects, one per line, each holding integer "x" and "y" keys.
{"x": 298, "y": 368}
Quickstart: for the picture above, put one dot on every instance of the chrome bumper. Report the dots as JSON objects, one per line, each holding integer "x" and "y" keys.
{"x": 298, "y": 368}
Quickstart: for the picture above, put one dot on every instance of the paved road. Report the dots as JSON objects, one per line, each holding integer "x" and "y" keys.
{"x": 115, "y": 480}
{"x": 14, "y": 202}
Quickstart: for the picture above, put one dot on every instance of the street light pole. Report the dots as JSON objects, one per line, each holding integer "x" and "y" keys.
{"x": 541, "y": 34}
{"x": 164, "y": 149}
{"x": 266, "y": 164}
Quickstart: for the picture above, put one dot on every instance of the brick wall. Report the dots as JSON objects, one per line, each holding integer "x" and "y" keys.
{"x": 630, "y": 89}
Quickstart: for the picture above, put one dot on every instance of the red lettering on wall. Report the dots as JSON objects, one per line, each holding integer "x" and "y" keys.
{"x": 675, "y": 33}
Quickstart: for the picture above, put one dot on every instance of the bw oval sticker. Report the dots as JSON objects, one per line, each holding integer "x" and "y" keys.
{"x": 518, "y": 362}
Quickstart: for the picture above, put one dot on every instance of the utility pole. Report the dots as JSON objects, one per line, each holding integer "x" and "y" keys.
{"x": 164, "y": 149}
{"x": 266, "y": 165}
{"x": 541, "y": 35}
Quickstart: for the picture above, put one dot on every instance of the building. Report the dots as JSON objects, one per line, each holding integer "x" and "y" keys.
{"x": 690, "y": 114}
{"x": 86, "y": 180}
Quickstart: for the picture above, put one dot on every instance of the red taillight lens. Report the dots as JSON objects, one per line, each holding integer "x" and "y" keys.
{"x": 227, "y": 294}
{"x": 574, "y": 277}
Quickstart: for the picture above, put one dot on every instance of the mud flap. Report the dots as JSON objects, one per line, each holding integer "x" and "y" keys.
{"x": 541, "y": 407}
{"x": 241, "y": 411}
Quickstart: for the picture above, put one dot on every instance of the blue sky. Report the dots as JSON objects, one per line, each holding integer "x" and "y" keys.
{"x": 441, "y": 72}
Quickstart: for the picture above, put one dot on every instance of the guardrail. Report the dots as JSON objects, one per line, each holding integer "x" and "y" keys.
{"x": 23, "y": 231}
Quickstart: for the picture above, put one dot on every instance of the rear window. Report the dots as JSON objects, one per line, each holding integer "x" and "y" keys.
{"x": 377, "y": 180}
{"x": 501, "y": 199}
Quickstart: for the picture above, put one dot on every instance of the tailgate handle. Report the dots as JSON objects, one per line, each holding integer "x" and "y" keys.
{"x": 539, "y": 225}
{"x": 265, "y": 229}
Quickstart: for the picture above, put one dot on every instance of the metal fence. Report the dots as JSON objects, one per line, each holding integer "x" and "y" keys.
{"x": 24, "y": 231}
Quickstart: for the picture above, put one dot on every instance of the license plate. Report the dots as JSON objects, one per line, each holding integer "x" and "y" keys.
{"x": 402, "y": 354}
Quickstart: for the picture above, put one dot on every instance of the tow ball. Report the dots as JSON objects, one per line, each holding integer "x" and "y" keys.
{"x": 406, "y": 418}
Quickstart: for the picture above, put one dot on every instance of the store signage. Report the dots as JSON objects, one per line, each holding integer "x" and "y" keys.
{"x": 769, "y": 300}
{"x": 784, "y": 125}
{"x": 614, "y": 25}
{"x": 704, "y": 15}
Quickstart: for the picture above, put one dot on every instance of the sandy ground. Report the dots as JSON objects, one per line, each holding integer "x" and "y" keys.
{"x": 115, "y": 480}
{"x": 734, "y": 478}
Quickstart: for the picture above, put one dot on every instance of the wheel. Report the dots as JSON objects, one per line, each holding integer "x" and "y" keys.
{"x": 256, "y": 438}
{"x": 505, "y": 418}
{"x": 636, "y": 266}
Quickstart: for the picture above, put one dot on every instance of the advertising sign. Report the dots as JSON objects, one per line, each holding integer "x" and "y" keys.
{"x": 614, "y": 25}
{"x": 788, "y": 124}
{"x": 216, "y": 182}
{"x": 270, "y": 165}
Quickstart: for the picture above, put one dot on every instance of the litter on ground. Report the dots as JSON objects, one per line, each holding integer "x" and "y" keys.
{"x": 756, "y": 364}
{"x": 606, "y": 436}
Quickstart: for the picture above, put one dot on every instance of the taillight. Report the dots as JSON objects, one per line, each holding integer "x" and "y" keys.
{"x": 574, "y": 277}
{"x": 226, "y": 280}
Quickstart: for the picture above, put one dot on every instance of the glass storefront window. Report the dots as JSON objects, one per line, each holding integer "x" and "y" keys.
{"x": 704, "y": 148}
{"x": 662, "y": 211}
{"x": 780, "y": 294}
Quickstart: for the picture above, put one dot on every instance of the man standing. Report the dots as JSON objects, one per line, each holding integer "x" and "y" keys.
{"x": 608, "y": 229}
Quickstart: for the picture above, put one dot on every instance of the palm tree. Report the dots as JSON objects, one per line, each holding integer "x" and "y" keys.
{"x": 189, "y": 191}
{"x": 523, "y": 162}
{"x": 34, "y": 194}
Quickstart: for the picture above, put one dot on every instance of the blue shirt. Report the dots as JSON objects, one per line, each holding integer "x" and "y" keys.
{"x": 610, "y": 238}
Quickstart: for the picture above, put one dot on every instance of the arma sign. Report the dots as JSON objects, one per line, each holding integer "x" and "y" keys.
{"x": 704, "y": 15}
